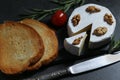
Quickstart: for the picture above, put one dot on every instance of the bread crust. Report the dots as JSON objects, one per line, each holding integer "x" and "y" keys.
{"x": 49, "y": 40}
{"x": 20, "y": 47}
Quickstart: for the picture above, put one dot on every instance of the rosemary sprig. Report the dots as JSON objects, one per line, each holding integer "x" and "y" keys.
{"x": 40, "y": 14}
{"x": 114, "y": 46}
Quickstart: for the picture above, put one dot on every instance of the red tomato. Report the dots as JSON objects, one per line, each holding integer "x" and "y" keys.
{"x": 59, "y": 18}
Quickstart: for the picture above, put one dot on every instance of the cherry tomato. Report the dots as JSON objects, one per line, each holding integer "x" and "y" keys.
{"x": 59, "y": 18}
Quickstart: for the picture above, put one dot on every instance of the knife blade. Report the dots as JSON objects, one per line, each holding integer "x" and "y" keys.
{"x": 84, "y": 66}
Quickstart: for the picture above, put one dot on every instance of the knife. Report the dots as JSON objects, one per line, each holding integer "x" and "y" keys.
{"x": 84, "y": 66}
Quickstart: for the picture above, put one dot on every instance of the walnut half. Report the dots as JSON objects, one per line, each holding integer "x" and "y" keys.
{"x": 75, "y": 20}
{"x": 108, "y": 18}
{"x": 100, "y": 31}
{"x": 92, "y": 9}
{"x": 77, "y": 41}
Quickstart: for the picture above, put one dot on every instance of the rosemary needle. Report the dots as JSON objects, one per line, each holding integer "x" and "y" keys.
{"x": 40, "y": 14}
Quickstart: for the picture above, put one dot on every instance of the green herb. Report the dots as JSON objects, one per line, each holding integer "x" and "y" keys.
{"x": 114, "y": 46}
{"x": 40, "y": 14}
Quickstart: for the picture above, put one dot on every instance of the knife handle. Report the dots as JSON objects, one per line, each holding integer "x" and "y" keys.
{"x": 53, "y": 75}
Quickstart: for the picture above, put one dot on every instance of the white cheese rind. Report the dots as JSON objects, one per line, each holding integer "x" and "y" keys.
{"x": 97, "y": 20}
{"x": 75, "y": 49}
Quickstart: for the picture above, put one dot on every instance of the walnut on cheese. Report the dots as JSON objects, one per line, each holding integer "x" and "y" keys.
{"x": 100, "y": 31}
{"x": 76, "y": 19}
{"x": 77, "y": 41}
{"x": 108, "y": 18}
{"x": 92, "y": 9}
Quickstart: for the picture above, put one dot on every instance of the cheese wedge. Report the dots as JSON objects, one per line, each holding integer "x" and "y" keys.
{"x": 75, "y": 49}
{"x": 91, "y": 20}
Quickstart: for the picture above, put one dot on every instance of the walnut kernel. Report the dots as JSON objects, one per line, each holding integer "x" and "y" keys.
{"x": 77, "y": 41}
{"x": 76, "y": 19}
{"x": 100, "y": 31}
{"x": 108, "y": 18}
{"x": 92, "y": 9}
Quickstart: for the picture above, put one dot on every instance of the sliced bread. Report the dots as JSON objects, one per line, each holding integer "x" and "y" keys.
{"x": 20, "y": 47}
{"x": 49, "y": 40}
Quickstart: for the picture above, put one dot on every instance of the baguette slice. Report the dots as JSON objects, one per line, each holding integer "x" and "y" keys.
{"x": 49, "y": 40}
{"x": 20, "y": 47}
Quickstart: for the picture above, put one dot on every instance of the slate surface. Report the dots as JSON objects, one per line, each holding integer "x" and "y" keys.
{"x": 10, "y": 9}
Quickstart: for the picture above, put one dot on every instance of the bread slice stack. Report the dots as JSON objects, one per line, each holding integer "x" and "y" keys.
{"x": 26, "y": 45}
{"x": 49, "y": 40}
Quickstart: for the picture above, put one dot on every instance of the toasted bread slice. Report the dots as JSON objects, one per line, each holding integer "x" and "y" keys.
{"x": 49, "y": 40}
{"x": 20, "y": 47}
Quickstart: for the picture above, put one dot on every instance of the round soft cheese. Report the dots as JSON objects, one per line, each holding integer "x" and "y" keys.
{"x": 75, "y": 49}
{"x": 91, "y": 21}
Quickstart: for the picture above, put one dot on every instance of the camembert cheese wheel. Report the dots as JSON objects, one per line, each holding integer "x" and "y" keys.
{"x": 75, "y": 43}
{"x": 98, "y": 19}
{"x": 90, "y": 17}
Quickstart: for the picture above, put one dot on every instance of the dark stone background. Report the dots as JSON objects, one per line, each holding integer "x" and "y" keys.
{"x": 10, "y": 9}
